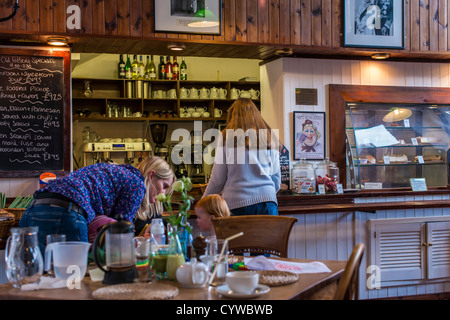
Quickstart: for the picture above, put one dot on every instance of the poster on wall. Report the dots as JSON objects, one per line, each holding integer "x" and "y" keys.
{"x": 309, "y": 135}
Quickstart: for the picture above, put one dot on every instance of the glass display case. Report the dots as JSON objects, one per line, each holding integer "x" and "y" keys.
{"x": 392, "y": 143}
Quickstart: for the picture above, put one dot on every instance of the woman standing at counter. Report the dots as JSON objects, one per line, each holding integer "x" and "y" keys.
{"x": 77, "y": 205}
{"x": 247, "y": 173}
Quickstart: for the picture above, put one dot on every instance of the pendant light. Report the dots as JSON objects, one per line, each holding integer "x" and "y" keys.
{"x": 397, "y": 114}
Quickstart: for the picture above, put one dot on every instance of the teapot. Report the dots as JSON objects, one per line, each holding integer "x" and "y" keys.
{"x": 206, "y": 114}
{"x": 254, "y": 93}
{"x": 234, "y": 94}
{"x": 204, "y": 93}
{"x": 217, "y": 113}
{"x": 193, "y": 93}
{"x": 192, "y": 274}
{"x": 245, "y": 94}
{"x": 214, "y": 93}
{"x": 191, "y": 110}
{"x": 223, "y": 93}
{"x": 184, "y": 93}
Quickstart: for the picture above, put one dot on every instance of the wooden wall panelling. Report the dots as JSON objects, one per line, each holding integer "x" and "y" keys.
{"x": 305, "y": 38}
{"x": 285, "y": 26}
{"x": 326, "y": 23}
{"x": 295, "y": 25}
{"x": 252, "y": 20}
{"x": 274, "y": 21}
{"x": 263, "y": 21}
{"x": 407, "y": 24}
{"x": 59, "y": 15}
{"x": 443, "y": 25}
{"x": 98, "y": 17}
{"x": 123, "y": 18}
{"x": 415, "y": 25}
{"x": 241, "y": 21}
{"x": 136, "y": 18}
{"x": 19, "y": 22}
{"x": 336, "y": 25}
{"x": 5, "y": 10}
{"x": 32, "y": 15}
{"x": 434, "y": 25}
{"x": 111, "y": 27}
{"x": 45, "y": 16}
{"x": 316, "y": 22}
{"x": 424, "y": 25}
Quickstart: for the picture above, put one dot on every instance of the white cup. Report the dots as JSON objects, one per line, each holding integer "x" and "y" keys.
{"x": 217, "y": 113}
{"x": 184, "y": 93}
{"x": 244, "y": 282}
{"x": 172, "y": 94}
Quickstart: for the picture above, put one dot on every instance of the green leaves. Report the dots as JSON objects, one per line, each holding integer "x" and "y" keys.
{"x": 178, "y": 219}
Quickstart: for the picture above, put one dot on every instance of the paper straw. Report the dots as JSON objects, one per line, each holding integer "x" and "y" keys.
{"x": 222, "y": 252}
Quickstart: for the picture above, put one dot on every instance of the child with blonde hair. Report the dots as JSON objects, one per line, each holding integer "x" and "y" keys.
{"x": 207, "y": 208}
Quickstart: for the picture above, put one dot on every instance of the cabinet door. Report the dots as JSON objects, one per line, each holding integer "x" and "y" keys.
{"x": 396, "y": 248}
{"x": 438, "y": 239}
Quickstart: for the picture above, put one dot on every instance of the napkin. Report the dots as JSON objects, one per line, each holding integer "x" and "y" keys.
{"x": 262, "y": 263}
{"x": 45, "y": 283}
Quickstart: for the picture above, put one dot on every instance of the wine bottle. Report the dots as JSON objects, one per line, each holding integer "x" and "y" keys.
{"x": 135, "y": 67}
{"x": 128, "y": 69}
{"x": 161, "y": 68}
{"x": 141, "y": 69}
{"x": 175, "y": 69}
{"x": 183, "y": 70}
{"x": 152, "y": 71}
{"x": 169, "y": 73}
{"x": 121, "y": 67}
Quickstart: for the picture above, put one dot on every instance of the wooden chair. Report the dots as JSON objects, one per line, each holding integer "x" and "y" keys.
{"x": 347, "y": 288}
{"x": 262, "y": 233}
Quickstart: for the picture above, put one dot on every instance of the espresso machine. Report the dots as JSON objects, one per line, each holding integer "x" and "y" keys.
{"x": 116, "y": 152}
{"x": 159, "y": 131}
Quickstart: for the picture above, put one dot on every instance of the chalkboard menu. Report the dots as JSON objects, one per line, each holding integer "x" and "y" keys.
{"x": 33, "y": 113}
{"x": 284, "y": 167}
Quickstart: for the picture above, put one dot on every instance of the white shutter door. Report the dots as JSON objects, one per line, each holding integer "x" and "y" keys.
{"x": 399, "y": 253}
{"x": 438, "y": 239}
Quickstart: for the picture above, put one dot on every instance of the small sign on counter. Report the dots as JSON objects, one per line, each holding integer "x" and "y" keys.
{"x": 418, "y": 184}
{"x": 373, "y": 185}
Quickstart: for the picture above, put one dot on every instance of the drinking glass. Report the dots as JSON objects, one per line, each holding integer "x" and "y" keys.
{"x": 159, "y": 260}
{"x": 52, "y": 238}
{"x": 214, "y": 261}
{"x": 142, "y": 251}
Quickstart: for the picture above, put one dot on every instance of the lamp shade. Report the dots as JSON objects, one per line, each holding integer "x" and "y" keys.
{"x": 397, "y": 114}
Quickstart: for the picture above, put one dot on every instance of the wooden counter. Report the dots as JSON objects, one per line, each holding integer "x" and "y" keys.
{"x": 290, "y": 203}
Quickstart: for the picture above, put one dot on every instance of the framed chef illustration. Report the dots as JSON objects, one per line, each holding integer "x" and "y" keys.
{"x": 374, "y": 23}
{"x": 309, "y": 135}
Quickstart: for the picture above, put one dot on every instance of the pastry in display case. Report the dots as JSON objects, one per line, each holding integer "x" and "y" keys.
{"x": 390, "y": 144}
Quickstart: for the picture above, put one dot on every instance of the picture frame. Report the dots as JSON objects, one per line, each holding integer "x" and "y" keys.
{"x": 374, "y": 23}
{"x": 188, "y": 16}
{"x": 309, "y": 135}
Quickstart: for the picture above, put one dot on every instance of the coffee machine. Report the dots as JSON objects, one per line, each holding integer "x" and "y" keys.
{"x": 159, "y": 131}
{"x": 117, "y": 151}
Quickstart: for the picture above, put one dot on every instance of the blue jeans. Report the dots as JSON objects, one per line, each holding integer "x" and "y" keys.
{"x": 263, "y": 208}
{"x": 55, "y": 220}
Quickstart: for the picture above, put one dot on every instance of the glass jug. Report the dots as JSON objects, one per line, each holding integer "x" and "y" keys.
{"x": 327, "y": 173}
{"x": 24, "y": 262}
{"x": 303, "y": 178}
{"x": 119, "y": 252}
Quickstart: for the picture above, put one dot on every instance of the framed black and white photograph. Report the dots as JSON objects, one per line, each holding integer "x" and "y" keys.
{"x": 309, "y": 135}
{"x": 374, "y": 23}
{"x": 188, "y": 16}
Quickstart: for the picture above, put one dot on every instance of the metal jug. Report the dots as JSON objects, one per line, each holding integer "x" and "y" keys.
{"x": 24, "y": 262}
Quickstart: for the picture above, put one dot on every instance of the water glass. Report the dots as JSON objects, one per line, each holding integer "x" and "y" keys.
{"x": 214, "y": 261}
{"x": 142, "y": 252}
{"x": 52, "y": 238}
{"x": 159, "y": 254}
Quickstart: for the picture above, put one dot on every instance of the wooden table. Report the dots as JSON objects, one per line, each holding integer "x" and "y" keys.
{"x": 307, "y": 284}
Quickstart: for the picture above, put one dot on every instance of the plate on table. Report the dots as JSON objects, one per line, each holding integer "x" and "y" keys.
{"x": 275, "y": 278}
{"x": 228, "y": 293}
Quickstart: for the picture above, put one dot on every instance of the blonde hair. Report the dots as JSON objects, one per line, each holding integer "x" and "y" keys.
{"x": 162, "y": 171}
{"x": 215, "y": 205}
{"x": 244, "y": 115}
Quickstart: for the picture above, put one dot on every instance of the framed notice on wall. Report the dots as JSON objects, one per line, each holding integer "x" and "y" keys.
{"x": 374, "y": 23}
{"x": 309, "y": 135}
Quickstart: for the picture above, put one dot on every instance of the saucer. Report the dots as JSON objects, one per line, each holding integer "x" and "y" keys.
{"x": 226, "y": 292}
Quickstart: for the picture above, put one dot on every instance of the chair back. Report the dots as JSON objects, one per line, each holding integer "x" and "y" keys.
{"x": 347, "y": 288}
{"x": 262, "y": 233}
